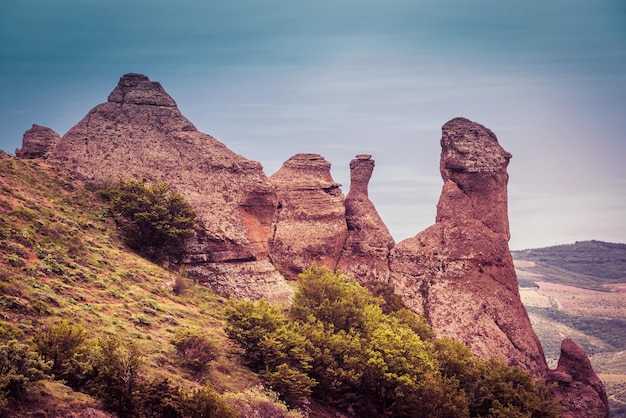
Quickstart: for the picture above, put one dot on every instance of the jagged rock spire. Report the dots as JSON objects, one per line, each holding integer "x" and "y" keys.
{"x": 365, "y": 254}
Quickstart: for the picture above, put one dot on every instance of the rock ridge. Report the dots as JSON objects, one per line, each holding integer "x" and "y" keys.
{"x": 140, "y": 133}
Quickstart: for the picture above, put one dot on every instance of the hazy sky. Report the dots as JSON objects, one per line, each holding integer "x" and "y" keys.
{"x": 271, "y": 78}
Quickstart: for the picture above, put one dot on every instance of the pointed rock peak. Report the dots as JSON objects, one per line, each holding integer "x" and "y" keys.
{"x": 37, "y": 142}
{"x": 361, "y": 169}
{"x": 469, "y": 147}
{"x": 138, "y": 89}
{"x": 310, "y": 225}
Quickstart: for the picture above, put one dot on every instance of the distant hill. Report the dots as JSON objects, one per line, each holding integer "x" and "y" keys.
{"x": 587, "y": 264}
{"x": 578, "y": 291}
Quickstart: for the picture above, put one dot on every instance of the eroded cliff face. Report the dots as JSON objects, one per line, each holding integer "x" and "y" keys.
{"x": 310, "y": 225}
{"x": 140, "y": 133}
{"x": 365, "y": 254}
{"x": 459, "y": 272}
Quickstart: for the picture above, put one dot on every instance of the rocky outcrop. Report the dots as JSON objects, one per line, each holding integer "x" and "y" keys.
{"x": 310, "y": 225}
{"x": 459, "y": 272}
{"x": 140, "y": 133}
{"x": 365, "y": 254}
{"x": 580, "y": 391}
{"x": 38, "y": 142}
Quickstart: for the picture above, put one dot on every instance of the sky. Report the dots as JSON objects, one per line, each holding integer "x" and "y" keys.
{"x": 272, "y": 78}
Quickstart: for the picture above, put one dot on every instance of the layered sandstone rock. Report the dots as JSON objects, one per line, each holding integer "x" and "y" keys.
{"x": 310, "y": 225}
{"x": 38, "y": 142}
{"x": 459, "y": 272}
{"x": 365, "y": 254}
{"x": 140, "y": 133}
{"x": 579, "y": 389}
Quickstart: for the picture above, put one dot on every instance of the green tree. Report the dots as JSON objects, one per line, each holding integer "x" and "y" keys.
{"x": 249, "y": 323}
{"x": 153, "y": 220}
{"x": 116, "y": 376}
{"x": 333, "y": 298}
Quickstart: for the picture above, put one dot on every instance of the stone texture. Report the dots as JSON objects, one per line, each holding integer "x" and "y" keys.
{"x": 310, "y": 225}
{"x": 579, "y": 389}
{"x": 459, "y": 272}
{"x": 38, "y": 142}
{"x": 140, "y": 133}
{"x": 365, "y": 254}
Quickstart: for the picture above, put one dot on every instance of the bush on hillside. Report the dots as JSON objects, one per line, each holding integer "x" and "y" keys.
{"x": 61, "y": 344}
{"x": 19, "y": 366}
{"x": 195, "y": 350}
{"x": 153, "y": 220}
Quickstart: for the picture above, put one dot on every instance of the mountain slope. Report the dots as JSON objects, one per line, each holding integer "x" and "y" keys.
{"x": 60, "y": 259}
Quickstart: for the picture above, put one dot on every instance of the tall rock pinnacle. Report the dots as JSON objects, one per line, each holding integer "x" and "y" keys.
{"x": 140, "y": 133}
{"x": 365, "y": 254}
{"x": 310, "y": 226}
{"x": 459, "y": 272}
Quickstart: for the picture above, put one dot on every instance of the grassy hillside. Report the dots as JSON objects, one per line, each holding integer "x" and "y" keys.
{"x": 577, "y": 291}
{"x": 61, "y": 259}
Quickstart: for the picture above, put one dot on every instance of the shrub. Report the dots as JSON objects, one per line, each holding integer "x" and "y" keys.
{"x": 258, "y": 402}
{"x": 116, "y": 376}
{"x": 152, "y": 220}
{"x": 195, "y": 349}
{"x": 339, "y": 347}
{"x": 62, "y": 344}
{"x": 19, "y": 366}
{"x": 204, "y": 402}
{"x": 159, "y": 399}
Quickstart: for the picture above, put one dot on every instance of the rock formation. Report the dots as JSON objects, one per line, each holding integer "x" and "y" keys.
{"x": 459, "y": 272}
{"x": 365, "y": 254}
{"x": 310, "y": 225}
{"x": 37, "y": 142}
{"x": 579, "y": 389}
{"x": 140, "y": 133}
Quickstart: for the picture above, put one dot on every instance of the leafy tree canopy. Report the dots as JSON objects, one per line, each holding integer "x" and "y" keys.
{"x": 153, "y": 220}
{"x": 338, "y": 345}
